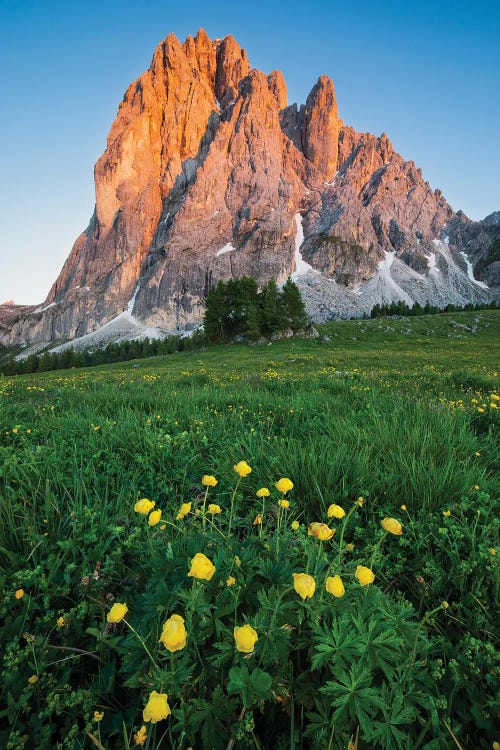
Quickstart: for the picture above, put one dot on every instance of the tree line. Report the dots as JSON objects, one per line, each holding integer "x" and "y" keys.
{"x": 401, "y": 308}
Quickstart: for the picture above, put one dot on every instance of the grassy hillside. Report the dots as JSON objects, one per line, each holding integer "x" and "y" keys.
{"x": 401, "y": 412}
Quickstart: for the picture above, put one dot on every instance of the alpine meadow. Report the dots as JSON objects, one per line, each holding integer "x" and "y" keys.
{"x": 286, "y": 545}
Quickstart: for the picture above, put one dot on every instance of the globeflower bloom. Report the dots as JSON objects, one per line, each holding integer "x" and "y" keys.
{"x": 364, "y": 575}
{"x": 117, "y": 612}
{"x": 33, "y": 679}
{"x": 140, "y": 736}
{"x": 284, "y": 503}
{"x": 246, "y": 638}
{"x": 263, "y": 492}
{"x": 304, "y": 585}
{"x": 157, "y": 708}
{"x": 295, "y": 525}
{"x": 201, "y": 567}
{"x": 183, "y": 511}
{"x": 335, "y": 586}
{"x": 242, "y": 468}
{"x": 144, "y": 506}
{"x": 173, "y": 634}
{"x": 208, "y": 481}
{"x": 231, "y": 581}
{"x": 154, "y": 517}
{"x": 257, "y": 520}
{"x": 19, "y": 593}
{"x": 213, "y": 508}
{"x": 392, "y": 526}
{"x": 284, "y": 485}
{"x": 335, "y": 511}
{"x": 321, "y": 531}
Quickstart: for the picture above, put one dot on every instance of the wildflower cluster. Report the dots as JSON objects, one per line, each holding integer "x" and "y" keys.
{"x": 261, "y": 591}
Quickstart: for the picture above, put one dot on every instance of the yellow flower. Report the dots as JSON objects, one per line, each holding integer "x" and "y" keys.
{"x": 295, "y": 525}
{"x": 476, "y": 487}
{"x": 257, "y": 520}
{"x": 237, "y": 561}
{"x": 98, "y": 715}
{"x": 154, "y": 517}
{"x": 213, "y": 508}
{"x": 477, "y": 453}
{"x": 140, "y": 736}
{"x": 208, "y": 480}
{"x": 183, "y": 511}
{"x": 231, "y": 581}
{"x": 335, "y": 511}
{"x": 33, "y": 679}
{"x": 321, "y": 531}
{"x": 163, "y": 527}
{"x": 493, "y": 551}
{"x": 392, "y": 526}
{"x": 360, "y": 501}
{"x": 335, "y": 586}
{"x": 246, "y": 638}
{"x": 19, "y": 593}
{"x": 364, "y": 575}
{"x": 173, "y": 634}
{"x": 447, "y": 513}
{"x": 201, "y": 567}
{"x": 403, "y": 507}
{"x": 60, "y": 622}
{"x": 496, "y": 746}
{"x": 284, "y": 503}
{"x": 304, "y": 585}
{"x": 495, "y": 397}
{"x": 284, "y": 485}
{"x": 242, "y": 468}
{"x": 156, "y": 708}
{"x": 263, "y": 492}
{"x": 117, "y": 612}
{"x": 144, "y": 506}
{"x": 350, "y": 546}
{"x": 445, "y": 605}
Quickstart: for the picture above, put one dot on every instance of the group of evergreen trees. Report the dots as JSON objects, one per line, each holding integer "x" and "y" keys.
{"x": 401, "y": 308}
{"x": 121, "y": 352}
{"x": 237, "y": 308}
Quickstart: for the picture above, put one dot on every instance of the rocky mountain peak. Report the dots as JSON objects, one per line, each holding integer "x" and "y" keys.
{"x": 208, "y": 174}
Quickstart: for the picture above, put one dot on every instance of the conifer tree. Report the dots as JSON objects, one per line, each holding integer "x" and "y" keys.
{"x": 271, "y": 311}
{"x": 294, "y": 311}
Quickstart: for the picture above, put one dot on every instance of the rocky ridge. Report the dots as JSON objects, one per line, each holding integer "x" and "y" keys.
{"x": 208, "y": 174}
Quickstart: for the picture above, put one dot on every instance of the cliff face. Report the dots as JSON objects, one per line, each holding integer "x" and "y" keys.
{"x": 204, "y": 172}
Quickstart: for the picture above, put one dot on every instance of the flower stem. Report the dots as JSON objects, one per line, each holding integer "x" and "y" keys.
{"x": 232, "y": 507}
{"x": 141, "y": 641}
{"x": 203, "y": 509}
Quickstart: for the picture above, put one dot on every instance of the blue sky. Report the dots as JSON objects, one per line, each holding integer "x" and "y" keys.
{"x": 425, "y": 73}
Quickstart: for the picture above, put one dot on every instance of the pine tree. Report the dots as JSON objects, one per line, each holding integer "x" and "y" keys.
{"x": 294, "y": 311}
{"x": 271, "y": 310}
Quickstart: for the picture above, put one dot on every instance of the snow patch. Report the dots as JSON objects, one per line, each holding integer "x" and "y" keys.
{"x": 47, "y": 307}
{"x": 131, "y": 302}
{"x": 433, "y": 268}
{"x": 470, "y": 272}
{"x": 301, "y": 267}
{"x": 226, "y": 249}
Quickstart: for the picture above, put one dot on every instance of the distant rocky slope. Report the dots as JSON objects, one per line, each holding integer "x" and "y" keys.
{"x": 208, "y": 174}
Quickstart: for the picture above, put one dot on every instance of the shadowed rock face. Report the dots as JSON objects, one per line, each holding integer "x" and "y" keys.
{"x": 205, "y": 169}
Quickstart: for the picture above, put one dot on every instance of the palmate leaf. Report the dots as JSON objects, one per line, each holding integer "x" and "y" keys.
{"x": 353, "y": 698}
{"x": 338, "y": 646}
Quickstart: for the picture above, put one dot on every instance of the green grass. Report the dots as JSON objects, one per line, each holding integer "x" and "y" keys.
{"x": 396, "y": 410}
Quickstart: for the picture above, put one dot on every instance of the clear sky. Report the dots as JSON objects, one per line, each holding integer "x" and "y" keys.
{"x": 427, "y": 73}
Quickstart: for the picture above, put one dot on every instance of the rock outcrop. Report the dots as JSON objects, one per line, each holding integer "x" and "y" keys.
{"x": 205, "y": 171}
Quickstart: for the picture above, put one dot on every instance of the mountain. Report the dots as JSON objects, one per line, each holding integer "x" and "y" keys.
{"x": 208, "y": 174}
